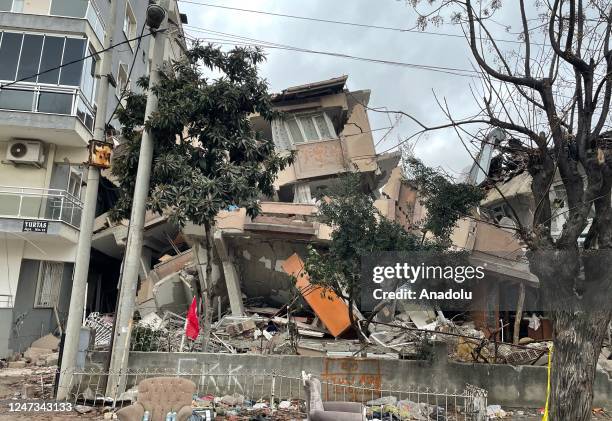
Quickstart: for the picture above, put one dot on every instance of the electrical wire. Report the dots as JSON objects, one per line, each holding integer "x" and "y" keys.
{"x": 347, "y": 23}
{"x": 129, "y": 76}
{"x": 237, "y": 39}
{"x": 97, "y": 53}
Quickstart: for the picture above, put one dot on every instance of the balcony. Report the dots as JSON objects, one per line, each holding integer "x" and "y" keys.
{"x": 86, "y": 10}
{"x": 48, "y": 103}
{"x": 48, "y": 88}
{"x": 34, "y": 204}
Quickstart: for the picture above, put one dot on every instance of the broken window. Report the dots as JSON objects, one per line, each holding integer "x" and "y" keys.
{"x": 298, "y": 129}
{"x": 49, "y": 283}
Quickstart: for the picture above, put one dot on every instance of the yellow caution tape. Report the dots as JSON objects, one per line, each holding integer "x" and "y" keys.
{"x": 550, "y": 351}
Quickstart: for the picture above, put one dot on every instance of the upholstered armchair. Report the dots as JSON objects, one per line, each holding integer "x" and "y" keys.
{"x": 317, "y": 410}
{"x": 160, "y": 395}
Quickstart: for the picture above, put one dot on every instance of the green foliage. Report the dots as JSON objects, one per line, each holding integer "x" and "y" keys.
{"x": 207, "y": 156}
{"x": 445, "y": 200}
{"x": 358, "y": 230}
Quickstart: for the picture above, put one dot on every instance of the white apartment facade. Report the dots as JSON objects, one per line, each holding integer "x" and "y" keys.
{"x": 50, "y": 62}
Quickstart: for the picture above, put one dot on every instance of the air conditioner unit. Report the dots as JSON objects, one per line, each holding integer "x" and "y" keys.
{"x": 25, "y": 151}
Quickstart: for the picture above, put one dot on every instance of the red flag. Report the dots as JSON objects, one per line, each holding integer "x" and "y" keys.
{"x": 192, "y": 330}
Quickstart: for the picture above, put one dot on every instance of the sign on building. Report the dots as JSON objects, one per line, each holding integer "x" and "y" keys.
{"x": 35, "y": 226}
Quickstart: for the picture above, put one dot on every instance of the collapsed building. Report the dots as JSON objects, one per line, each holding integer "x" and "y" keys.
{"x": 327, "y": 128}
{"x": 253, "y": 258}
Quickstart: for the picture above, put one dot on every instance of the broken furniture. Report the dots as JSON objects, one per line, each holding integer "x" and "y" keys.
{"x": 160, "y": 395}
{"x": 317, "y": 410}
{"x": 331, "y": 309}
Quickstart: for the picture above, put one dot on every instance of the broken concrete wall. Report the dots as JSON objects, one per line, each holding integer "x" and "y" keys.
{"x": 259, "y": 261}
{"x": 172, "y": 294}
{"x": 31, "y": 322}
{"x": 523, "y": 386}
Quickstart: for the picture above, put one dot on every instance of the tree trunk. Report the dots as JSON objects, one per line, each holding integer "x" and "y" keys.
{"x": 577, "y": 342}
{"x": 519, "y": 314}
{"x": 207, "y": 293}
{"x": 579, "y": 325}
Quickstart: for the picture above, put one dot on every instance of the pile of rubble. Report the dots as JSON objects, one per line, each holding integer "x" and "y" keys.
{"x": 237, "y": 407}
{"x": 28, "y": 383}
{"x": 42, "y": 353}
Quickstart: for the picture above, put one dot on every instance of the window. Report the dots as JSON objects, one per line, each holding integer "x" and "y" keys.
{"x": 29, "y": 54}
{"x": 15, "y": 6}
{"x": 16, "y": 99}
{"x": 30, "y": 57}
{"x": 129, "y": 23}
{"x": 51, "y": 59}
{"x": 6, "y": 5}
{"x": 49, "y": 284}
{"x": 302, "y": 128}
{"x": 71, "y": 8}
{"x": 75, "y": 182}
{"x": 89, "y": 81}
{"x": 55, "y": 103}
{"x": 74, "y": 50}
{"x": 122, "y": 81}
{"x": 9, "y": 51}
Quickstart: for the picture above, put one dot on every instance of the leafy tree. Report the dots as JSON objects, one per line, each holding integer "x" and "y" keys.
{"x": 207, "y": 156}
{"x": 358, "y": 230}
{"x": 550, "y": 89}
{"x": 446, "y": 201}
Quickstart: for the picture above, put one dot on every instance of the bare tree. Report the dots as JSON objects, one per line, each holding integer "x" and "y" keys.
{"x": 550, "y": 90}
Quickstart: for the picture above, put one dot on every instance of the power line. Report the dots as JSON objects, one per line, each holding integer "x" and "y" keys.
{"x": 129, "y": 76}
{"x": 346, "y": 23}
{"x": 237, "y": 39}
{"x": 78, "y": 60}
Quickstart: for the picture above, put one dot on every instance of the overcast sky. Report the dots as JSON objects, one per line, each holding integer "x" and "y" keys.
{"x": 398, "y": 88}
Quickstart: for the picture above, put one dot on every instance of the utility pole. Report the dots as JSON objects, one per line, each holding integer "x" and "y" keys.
{"x": 88, "y": 216}
{"x": 156, "y": 15}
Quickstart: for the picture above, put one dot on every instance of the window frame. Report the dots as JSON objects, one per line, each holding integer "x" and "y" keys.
{"x": 119, "y": 89}
{"x": 54, "y": 292}
{"x": 311, "y": 115}
{"x": 129, "y": 13}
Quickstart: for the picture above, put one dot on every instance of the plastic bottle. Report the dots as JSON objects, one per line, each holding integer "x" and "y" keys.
{"x": 169, "y": 416}
{"x": 146, "y": 416}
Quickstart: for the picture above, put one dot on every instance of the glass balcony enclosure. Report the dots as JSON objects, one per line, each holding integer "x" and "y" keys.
{"x": 45, "y": 204}
{"x": 83, "y": 9}
{"x": 65, "y": 84}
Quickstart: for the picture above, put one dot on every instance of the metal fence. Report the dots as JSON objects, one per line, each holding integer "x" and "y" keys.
{"x": 410, "y": 403}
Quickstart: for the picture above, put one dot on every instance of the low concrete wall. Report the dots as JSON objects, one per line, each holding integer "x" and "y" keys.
{"x": 507, "y": 385}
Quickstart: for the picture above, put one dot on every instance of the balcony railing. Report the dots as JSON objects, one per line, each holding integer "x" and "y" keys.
{"x": 43, "y": 204}
{"x": 48, "y": 100}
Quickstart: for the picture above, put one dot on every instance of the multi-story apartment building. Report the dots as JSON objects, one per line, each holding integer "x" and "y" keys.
{"x": 49, "y": 77}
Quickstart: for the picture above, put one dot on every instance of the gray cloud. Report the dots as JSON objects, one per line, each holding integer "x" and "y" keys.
{"x": 398, "y": 88}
